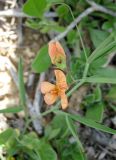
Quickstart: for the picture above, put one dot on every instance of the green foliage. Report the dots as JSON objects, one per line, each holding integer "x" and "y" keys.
{"x": 112, "y": 93}
{"x": 94, "y": 105}
{"x": 98, "y": 36}
{"x": 39, "y": 146}
{"x": 42, "y": 60}
{"x": 99, "y": 79}
{"x": 54, "y": 1}
{"x": 11, "y": 110}
{"x": 35, "y": 8}
{"x": 27, "y": 145}
{"x": 92, "y": 124}
{"x": 73, "y": 131}
{"x": 56, "y": 127}
{"x": 21, "y": 83}
{"x": 44, "y": 26}
{"x": 58, "y": 131}
{"x": 105, "y": 48}
{"x": 103, "y": 75}
{"x": 62, "y": 10}
{"x": 95, "y": 112}
{"x": 7, "y": 135}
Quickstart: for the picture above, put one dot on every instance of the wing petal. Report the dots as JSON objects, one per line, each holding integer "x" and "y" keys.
{"x": 46, "y": 87}
{"x": 50, "y": 98}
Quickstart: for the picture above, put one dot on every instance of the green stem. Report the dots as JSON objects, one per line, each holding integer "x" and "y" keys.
{"x": 73, "y": 133}
{"x": 75, "y": 87}
{"x": 86, "y": 70}
{"x": 53, "y": 109}
{"x": 76, "y": 28}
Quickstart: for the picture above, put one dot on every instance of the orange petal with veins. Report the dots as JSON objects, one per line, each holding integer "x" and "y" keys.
{"x": 64, "y": 101}
{"x": 46, "y": 87}
{"x": 50, "y": 98}
{"x": 56, "y": 51}
{"x": 61, "y": 79}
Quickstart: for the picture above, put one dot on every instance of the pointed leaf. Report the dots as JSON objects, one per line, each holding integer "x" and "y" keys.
{"x": 35, "y": 8}
{"x": 42, "y": 61}
{"x": 92, "y": 124}
{"x": 11, "y": 110}
{"x": 21, "y": 83}
{"x": 95, "y": 112}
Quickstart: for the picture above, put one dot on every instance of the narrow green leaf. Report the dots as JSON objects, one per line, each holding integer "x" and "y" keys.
{"x": 95, "y": 112}
{"x": 97, "y": 36}
{"x": 62, "y": 10}
{"x": 53, "y": 134}
{"x": 21, "y": 83}
{"x": 97, "y": 94}
{"x": 106, "y": 72}
{"x": 88, "y": 122}
{"x": 54, "y": 1}
{"x": 103, "y": 75}
{"x": 112, "y": 93}
{"x": 71, "y": 127}
{"x": 92, "y": 124}
{"x": 100, "y": 49}
{"x": 46, "y": 152}
{"x": 35, "y": 8}
{"x": 42, "y": 61}
{"x": 98, "y": 79}
{"x": 103, "y": 51}
{"x": 11, "y": 110}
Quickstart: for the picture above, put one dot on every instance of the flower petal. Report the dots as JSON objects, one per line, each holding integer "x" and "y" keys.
{"x": 59, "y": 48}
{"x": 50, "y": 98}
{"x": 56, "y": 52}
{"x": 61, "y": 79}
{"x": 46, "y": 87}
{"x": 64, "y": 101}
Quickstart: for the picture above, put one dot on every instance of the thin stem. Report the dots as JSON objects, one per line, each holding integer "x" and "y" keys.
{"x": 76, "y": 28}
{"x": 79, "y": 35}
{"x": 54, "y": 108}
{"x": 86, "y": 70}
{"x": 73, "y": 133}
{"x": 75, "y": 87}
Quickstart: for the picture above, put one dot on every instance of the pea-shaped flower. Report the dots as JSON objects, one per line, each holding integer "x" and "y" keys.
{"x": 53, "y": 91}
{"x": 57, "y": 54}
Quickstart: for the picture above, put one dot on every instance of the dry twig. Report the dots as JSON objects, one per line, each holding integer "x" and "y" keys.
{"x": 19, "y": 13}
{"x": 101, "y": 8}
{"x": 94, "y": 7}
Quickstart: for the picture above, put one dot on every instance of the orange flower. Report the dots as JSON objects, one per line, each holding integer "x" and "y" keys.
{"x": 57, "y": 54}
{"x": 52, "y": 91}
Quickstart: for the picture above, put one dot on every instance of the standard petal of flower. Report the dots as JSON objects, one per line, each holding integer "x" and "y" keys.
{"x": 64, "y": 101}
{"x": 46, "y": 87}
{"x": 61, "y": 79}
{"x": 56, "y": 51}
{"x": 52, "y": 50}
{"x": 59, "y": 48}
{"x": 50, "y": 98}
